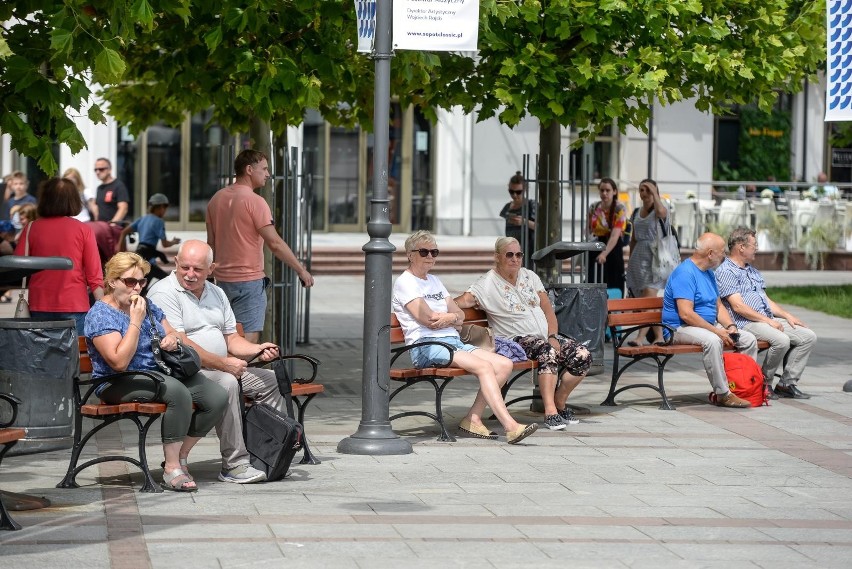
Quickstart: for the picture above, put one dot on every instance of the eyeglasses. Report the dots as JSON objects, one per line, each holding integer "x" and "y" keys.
{"x": 131, "y": 282}
{"x": 517, "y": 255}
{"x": 100, "y": 169}
{"x": 516, "y": 192}
{"x": 425, "y": 252}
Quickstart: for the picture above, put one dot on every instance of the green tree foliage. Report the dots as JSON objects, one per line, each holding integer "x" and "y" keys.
{"x": 52, "y": 51}
{"x": 588, "y": 63}
{"x": 259, "y": 59}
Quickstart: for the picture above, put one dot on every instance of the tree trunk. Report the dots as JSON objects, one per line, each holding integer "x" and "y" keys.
{"x": 549, "y": 220}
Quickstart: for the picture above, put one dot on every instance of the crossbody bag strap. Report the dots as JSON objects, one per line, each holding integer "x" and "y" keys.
{"x": 155, "y": 342}
{"x": 27, "y": 252}
{"x": 285, "y": 385}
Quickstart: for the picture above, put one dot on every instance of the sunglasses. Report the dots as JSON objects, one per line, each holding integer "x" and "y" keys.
{"x": 517, "y": 255}
{"x": 516, "y": 192}
{"x": 131, "y": 282}
{"x": 100, "y": 169}
{"x": 425, "y": 252}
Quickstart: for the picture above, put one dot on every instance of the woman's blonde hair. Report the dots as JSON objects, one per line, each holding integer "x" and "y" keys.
{"x": 74, "y": 175}
{"x": 120, "y": 263}
{"x": 418, "y": 237}
{"x": 503, "y": 242}
{"x": 30, "y": 210}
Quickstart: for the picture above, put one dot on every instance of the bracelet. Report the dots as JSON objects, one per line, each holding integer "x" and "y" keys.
{"x": 554, "y": 336}
{"x": 137, "y": 326}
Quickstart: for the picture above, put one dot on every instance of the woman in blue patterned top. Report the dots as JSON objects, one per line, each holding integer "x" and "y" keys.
{"x": 118, "y": 336}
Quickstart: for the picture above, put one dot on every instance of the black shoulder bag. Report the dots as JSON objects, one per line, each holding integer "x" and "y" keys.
{"x": 273, "y": 438}
{"x": 182, "y": 363}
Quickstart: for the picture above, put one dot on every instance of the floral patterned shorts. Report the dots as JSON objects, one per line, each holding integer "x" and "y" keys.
{"x": 574, "y": 357}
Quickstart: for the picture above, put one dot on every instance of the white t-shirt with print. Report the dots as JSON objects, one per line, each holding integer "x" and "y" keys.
{"x": 409, "y": 287}
{"x": 513, "y": 310}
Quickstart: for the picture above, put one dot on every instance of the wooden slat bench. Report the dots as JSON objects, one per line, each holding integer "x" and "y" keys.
{"x": 440, "y": 377}
{"x": 9, "y": 437}
{"x": 625, "y": 316}
{"x": 108, "y": 414}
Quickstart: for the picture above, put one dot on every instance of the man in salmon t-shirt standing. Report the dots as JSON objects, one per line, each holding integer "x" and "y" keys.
{"x": 239, "y": 222}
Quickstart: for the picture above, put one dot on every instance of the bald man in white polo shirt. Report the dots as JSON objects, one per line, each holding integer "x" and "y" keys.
{"x": 200, "y": 312}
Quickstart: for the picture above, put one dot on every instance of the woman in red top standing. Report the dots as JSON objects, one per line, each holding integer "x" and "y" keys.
{"x": 62, "y": 294}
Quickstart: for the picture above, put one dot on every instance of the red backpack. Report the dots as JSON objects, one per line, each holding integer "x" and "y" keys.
{"x": 745, "y": 378}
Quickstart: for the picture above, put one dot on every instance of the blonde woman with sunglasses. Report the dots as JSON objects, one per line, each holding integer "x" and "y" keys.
{"x": 118, "y": 337}
{"x": 518, "y": 308}
{"x": 426, "y": 313}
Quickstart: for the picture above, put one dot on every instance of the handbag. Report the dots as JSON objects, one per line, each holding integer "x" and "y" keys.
{"x": 273, "y": 438}
{"x": 22, "y": 309}
{"x": 181, "y": 363}
{"x": 479, "y": 336}
{"x": 665, "y": 254}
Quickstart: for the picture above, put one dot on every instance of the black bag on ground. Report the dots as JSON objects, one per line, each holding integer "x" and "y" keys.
{"x": 272, "y": 438}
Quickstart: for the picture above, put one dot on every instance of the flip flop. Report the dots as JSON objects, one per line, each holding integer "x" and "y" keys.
{"x": 177, "y": 481}
{"x": 5, "y": 299}
{"x": 476, "y": 431}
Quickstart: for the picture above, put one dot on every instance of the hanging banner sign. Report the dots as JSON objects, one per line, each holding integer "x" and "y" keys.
{"x": 838, "y": 73}
{"x": 365, "y": 13}
{"x": 436, "y": 25}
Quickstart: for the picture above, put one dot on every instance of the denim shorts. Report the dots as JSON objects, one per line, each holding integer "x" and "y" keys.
{"x": 432, "y": 355}
{"x": 248, "y": 301}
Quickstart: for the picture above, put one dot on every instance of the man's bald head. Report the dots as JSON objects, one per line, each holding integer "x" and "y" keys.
{"x": 709, "y": 251}
{"x": 194, "y": 264}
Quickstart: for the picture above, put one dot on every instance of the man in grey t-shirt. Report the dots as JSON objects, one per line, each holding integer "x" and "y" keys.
{"x": 200, "y": 312}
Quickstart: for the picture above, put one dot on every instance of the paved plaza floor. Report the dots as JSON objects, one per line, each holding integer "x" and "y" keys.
{"x": 630, "y": 486}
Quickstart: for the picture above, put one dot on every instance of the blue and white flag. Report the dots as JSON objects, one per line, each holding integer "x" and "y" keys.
{"x": 365, "y": 10}
{"x": 838, "y": 93}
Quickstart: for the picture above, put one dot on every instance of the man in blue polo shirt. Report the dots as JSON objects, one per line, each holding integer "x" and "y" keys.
{"x": 693, "y": 308}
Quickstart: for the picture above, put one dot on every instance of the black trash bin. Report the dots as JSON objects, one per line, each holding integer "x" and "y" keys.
{"x": 38, "y": 361}
{"x": 581, "y": 313}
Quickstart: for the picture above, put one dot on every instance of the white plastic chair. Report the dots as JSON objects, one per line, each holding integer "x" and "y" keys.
{"x": 803, "y": 217}
{"x": 733, "y": 213}
{"x": 685, "y": 220}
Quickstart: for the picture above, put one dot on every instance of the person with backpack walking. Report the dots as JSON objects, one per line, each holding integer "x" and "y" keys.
{"x": 652, "y": 216}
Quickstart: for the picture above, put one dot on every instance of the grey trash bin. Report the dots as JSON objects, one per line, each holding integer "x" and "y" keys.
{"x": 38, "y": 361}
{"x": 581, "y": 313}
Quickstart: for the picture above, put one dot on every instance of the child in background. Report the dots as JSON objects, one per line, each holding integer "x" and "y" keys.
{"x": 151, "y": 229}
{"x": 18, "y": 183}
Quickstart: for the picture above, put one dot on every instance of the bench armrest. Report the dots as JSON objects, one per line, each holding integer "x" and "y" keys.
{"x": 13, "y": 403}
{"x": 399, "y": 351}
{"x": 312, "y": 361}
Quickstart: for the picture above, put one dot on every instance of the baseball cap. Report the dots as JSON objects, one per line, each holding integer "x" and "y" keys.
{"x": 158, "y": 199}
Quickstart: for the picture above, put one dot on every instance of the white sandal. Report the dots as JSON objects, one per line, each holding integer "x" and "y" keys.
{"x": 177, "y": 480}
{"x": 184, "y": 464}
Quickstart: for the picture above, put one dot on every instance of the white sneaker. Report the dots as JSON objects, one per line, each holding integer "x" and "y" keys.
{"x": 242, "y": 474}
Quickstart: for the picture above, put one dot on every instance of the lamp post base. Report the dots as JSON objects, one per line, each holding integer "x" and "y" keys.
{"x": 378, "y": 440}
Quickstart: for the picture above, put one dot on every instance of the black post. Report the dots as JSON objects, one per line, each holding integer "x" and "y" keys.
{"x": 374, "y": 435}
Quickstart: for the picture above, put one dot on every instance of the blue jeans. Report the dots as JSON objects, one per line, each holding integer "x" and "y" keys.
{"x": 78, "y": 317}
{"x": 248, "y": 301}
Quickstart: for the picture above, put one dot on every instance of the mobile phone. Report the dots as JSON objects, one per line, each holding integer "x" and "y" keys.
{"x": 735, "y": 336}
